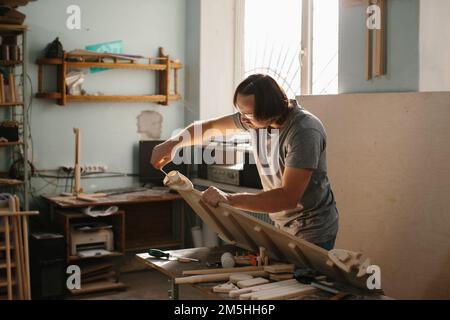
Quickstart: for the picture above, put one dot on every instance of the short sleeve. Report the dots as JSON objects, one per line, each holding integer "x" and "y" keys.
{"x": 304, "y": 149}
{"x": 237, "y": 120}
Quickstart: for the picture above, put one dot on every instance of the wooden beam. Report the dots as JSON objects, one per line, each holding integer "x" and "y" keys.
{"x": 270, "y": 245}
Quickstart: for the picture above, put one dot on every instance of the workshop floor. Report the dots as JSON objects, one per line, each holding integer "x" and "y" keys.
{"x": 145, "y": 285}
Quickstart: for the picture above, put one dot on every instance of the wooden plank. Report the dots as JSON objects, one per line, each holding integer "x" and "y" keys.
{"x": 17, "y": 254}
{"x": 274, "y": 289}
{"x": 100, "y": 286}
{"x": 217, "y": 222}
{"x": 107, "y": 65}
{"x": 269, "y": 244}
{"x": 279, "y": 268}
{"x": 122, "y": 98}
{"x": 281, "y": 276}
{"x": 8, "y": 259}
{"x": 12, "y": 88}
{"x": 240, "y": 230}
{"x": 237, "y": 293}
{"x": 252, "y": 282}
{"x": 2, "y": 89}
{"x": 274, "y": 239}
{"x": 286, "y": 293}
{"x": 222, "y": 270}
{"x": 368, "y": 49}
{"x": 214, "y": 277}
{"x": 294, "y": 247}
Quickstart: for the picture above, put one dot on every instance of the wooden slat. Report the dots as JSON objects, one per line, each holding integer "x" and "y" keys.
{"x": 100, "y": 286}
{"x": 10, "y": 144}
{"x": 107, "y": 65}
{"x": 118, "y": 98}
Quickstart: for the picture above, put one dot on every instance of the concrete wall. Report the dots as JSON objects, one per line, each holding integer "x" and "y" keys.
{"x": 109, "y": 130}
{"x": 434, "y": 45}
{"x": 388, "y": 157}
{"x": 402, "y": 48}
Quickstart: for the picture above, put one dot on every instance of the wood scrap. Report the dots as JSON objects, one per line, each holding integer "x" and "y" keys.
{"x": 237, "y": 293}
{"x": 223, "y": 270}
{"x": 286, "y": 293}
{"x": 279, "y": 268}
{"x": 251, "y": 282}
{"x": 281, "y": 276}
{"x": 214, "y": 277}
{"x": 235, "y": 278}
{"x": 224, "y": 287}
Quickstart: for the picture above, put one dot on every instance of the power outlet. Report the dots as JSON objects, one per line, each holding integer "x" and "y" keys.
{"x": 87, "y": 168}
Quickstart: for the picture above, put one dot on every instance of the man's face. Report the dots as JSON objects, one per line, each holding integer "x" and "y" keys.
{"x": 246, "y": 107}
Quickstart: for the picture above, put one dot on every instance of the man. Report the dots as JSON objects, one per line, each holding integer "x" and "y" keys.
{"x": 289, "y": 146}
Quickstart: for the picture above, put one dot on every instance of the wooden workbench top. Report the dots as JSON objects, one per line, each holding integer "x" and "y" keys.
{"x": 128, "y": 198}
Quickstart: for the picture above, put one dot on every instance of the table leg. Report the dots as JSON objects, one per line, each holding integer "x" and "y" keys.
{"x": 173, "y": 291}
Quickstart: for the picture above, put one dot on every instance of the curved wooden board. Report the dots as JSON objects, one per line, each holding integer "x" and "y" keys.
{"x": 243, "y": 230}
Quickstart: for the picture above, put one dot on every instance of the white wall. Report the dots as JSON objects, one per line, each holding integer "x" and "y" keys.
{"x": 388, "y": 161}
{"x": 434, "y": 45}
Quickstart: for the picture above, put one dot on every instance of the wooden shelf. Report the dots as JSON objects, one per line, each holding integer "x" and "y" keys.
{"x": 164, "y": 70}
{"x": 10, "y": 182}
{"x": 10, "y": 62}
{"x": 112, "y": 254}
{"x": 11, "y": 104}
{"x": 13, "y": 28}
{"x": 10, "y": 144}
{"x": 48, "y": 95}
{"x": 3, "y": 247}
{"x": 3, "y": 265}
{"x": 148, "y": 98}
{"x": 49, "y": 61}
{"x": 4, "y": 283}
{"x": 112, "y": 65}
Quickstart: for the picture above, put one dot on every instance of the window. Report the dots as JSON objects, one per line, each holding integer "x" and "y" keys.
{"x": 294, "y": 41}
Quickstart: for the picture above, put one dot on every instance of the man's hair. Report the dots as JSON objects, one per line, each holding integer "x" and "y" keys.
{"x": 271, "y": 101}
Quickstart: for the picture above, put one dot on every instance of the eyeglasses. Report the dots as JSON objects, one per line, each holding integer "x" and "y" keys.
{"x": 249, "y": 116}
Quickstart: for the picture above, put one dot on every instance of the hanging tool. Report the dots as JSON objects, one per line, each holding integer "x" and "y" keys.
{"x": 166, "y": 256}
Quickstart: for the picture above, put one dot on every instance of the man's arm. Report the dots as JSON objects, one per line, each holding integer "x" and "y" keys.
{"x": 194, "y": 134}
{"x": 295, "y": 182}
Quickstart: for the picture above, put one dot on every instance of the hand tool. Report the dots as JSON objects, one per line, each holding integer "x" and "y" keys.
{"x": 166, "y": 256}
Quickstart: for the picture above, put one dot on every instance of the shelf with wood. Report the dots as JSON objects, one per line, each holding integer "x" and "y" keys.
{"x": 13, "y": 88}
{"x": 165, "y": 68}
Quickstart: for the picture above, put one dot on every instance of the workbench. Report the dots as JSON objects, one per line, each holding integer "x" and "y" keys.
{"x": 174, "y": 269}
{"x": 153, "y": 218}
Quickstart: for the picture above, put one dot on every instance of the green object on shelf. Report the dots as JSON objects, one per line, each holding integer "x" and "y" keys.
{"x": 106, "y": 47}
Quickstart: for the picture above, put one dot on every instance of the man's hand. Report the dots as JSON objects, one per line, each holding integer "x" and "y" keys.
{"x": 162, "y": 153}
{"x": 214, "y": 196}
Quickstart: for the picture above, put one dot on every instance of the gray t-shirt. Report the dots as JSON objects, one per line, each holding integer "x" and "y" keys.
{"x": 301, "y": 143}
